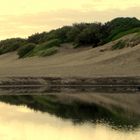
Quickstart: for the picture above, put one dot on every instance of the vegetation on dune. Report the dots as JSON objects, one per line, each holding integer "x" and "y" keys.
{"x": 51, "y": 43}
{"x": 48, "y": 52}
{"x": 24, "y": 50}
{"x": 119, "y": 45}
{"x": 135, "y": 40}
{"x": 121, "y": 34}
{"x": 37, "y": 38}
{"x": 82, "y": 34}
{"x": 46, "y": 48}
{"x": 120, "y": 25}
{"x": 90, "y": 33}
{"x": 10, "y": 45}
{"x": 93, "y": 34}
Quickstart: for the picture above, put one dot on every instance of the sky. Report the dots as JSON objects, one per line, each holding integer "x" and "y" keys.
{"x": 23, "y": 18}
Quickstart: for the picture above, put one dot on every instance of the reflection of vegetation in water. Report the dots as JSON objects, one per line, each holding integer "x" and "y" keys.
{"x": 77, "y": 111}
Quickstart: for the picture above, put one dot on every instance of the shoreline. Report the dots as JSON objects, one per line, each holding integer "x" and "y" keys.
{"x": 69, "y": 85}
{"x": 44, "y": 80}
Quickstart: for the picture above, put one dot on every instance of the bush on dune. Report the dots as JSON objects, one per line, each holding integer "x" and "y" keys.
{"x": 92, "y": 35}
{"x": 118, "y": 25}
{"x": 121, "y": 34}
{"x": 24, "y": 50}
{"x": 51, "y": 43}
{"x": 10, "y": 45}
{"x": 44, "y": 46}
{"x": 119, "y": 45}
{"x": 48, "y": 52}
{"x": 37, "y": 38}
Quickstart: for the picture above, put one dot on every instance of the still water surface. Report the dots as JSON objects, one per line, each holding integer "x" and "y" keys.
{"x": 70, "y": 117}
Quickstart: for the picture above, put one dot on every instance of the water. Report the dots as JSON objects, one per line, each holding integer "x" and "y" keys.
{"x": 67, "y": 116}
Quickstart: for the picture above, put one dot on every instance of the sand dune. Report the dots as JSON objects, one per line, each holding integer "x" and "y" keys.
{"x": 89, "y": 62}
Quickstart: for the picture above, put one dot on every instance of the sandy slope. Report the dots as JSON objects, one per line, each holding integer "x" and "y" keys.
{"x": 89, "y": 62}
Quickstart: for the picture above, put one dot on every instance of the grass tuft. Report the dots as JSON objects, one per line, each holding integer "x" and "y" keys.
{"x": 119, "y": 45}
{"x": 48, "y": 52}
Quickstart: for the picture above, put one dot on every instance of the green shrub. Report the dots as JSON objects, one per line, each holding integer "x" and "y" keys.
{"x": 90, "y": 36}
{"x": 75, "y": 46}
{"x": 120, "y": 25}
{"x": 37, "y": 38}
{"x": 1, "y": 51}
{"x": 48, "y": 52}
{"x": 42, "y": 47}
{"x": 24, "y": 50}
{"x": 119, "y": 45}
{"x": 10, "y": 45}
{"x": 51, "y": 43}
{"x": 121, "y": 34}
{"x": 137, "y": 35}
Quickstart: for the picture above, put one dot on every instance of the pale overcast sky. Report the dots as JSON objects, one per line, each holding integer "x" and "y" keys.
{"x": 23, "y": 18}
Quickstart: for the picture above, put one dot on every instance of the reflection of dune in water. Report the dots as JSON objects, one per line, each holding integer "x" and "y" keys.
{"x": 115, "y": 109}
{"x": 127, "y": 101}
